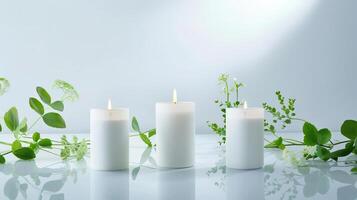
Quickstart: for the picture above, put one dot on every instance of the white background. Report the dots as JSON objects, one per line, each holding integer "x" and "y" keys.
{"x": 137, "y": 51}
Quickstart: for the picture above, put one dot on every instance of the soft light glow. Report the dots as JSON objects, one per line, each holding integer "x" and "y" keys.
{"x": 240, "y": 27}
{"x": 109, "y": 104}
{"x": 245, "y": 105}
{"x": 174, "y": 96}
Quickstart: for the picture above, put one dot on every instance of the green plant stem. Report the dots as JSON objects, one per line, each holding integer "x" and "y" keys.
{"x": 49, "y": 151}
{"x": 237, "y": 99}
{"x": 5, "y": 143}
{"x": 135, "y": 135}
{"x": 298, "y": 119}
{"x": 227, "y": 91}
{"x": 8, "y": 152}
{"x": 292, "y": 140}
{"x": 294, "y": 144}
{"x": 298, "y": 144}
{"x": 24, "y": 141}
{"x": 340, "y": 142}
{"x": 267, "y": 140}
{"x": 34, "y": 123}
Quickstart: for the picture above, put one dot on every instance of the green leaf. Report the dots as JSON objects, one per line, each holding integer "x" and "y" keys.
{"x": 0, "y": 128}
{"x": 278, "y": 143}
{"x": 2, "y": 159}
{"x": 152, "y": 132}
{"x": 36, "y": 136}
{"x": 54, "y": 120}
{"x": 323, "y": 136}
{"x": 36, "y": 105}
{"x": 16, "y": 145}
{"x": 57, "y": 105}
{"x": 135, "y": 125}
{"x": 46, "y": 142}
{"x": 45, "y": 97}
{"x": 310, "y": 134}
{"x": 145, "y": 139}
{"x": 354, "y": 170}
{"x": 4, "y": 85}
{"x": 323, "y": 153}
{"x": 23, "y": 125}
{"x": 11, "y": 119}
{"x": 340, "y": 153}
{"x": 25, "y": 153}
{"x": 349, "y": 129}
{"x": 34, "y": 147}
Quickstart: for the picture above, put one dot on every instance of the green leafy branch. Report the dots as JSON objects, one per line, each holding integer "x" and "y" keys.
{"x": 28, "y": 143}
{"x": 227, "y": 102}
{"x": 319, "y": 139}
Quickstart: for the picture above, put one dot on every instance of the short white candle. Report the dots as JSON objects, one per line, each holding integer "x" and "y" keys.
{"x": 175, "y": 130}
{"x": 245, "y": 137}
{"x": 109, "y": 135}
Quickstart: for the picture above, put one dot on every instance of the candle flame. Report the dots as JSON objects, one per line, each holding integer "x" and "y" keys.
{"x": 109, "y": 104}
{"x": 245, "y": 105}
{"x": 174, "y": 96}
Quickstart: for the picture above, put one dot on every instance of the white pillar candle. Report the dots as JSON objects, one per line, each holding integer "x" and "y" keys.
{"x": 109, "y": 135}
{"x": 245, "y": 138}
{"x": 175, "y": 130}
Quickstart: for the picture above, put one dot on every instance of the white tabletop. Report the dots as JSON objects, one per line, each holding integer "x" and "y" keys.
{"x": 48, "y": 178}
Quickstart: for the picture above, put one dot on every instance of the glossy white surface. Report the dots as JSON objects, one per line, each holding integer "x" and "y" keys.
{"x": 48, "y": 179}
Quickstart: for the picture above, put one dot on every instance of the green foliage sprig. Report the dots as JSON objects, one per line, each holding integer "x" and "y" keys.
{"x": 144, "y": 136}
{"x": 317, "y": 143}
{"x": 230, "y": 88}
{"x": 27, "y": 143}
{"x": 320, "y": 140}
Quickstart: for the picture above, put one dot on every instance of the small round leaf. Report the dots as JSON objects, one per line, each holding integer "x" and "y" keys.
{"x": 323, "y": 136}
{"x": 323, "y": 153}
{"x": 45, "y": 142}
{"x": 36, "y": 136}
{"x": 16, "y": 145}
{"x": 349, "y": 129}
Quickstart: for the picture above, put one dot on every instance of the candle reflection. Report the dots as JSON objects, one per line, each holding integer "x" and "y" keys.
{"x": 178, "y": 184}
{"x": 109, "y": 185}
{"x": 242, "y": 185}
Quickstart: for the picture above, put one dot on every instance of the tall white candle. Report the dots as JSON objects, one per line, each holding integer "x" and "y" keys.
{"x": 109, "y": 135}
{"x": 245, "y": 138}
{"x": 175, "y": 130}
